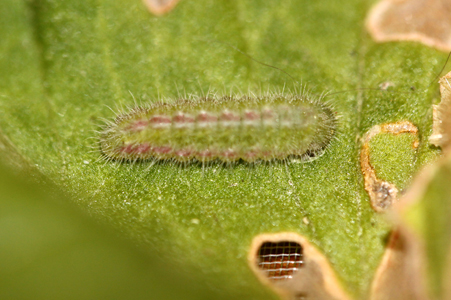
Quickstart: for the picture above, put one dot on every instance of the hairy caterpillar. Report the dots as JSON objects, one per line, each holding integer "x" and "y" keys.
{"x": 221, "y": 128}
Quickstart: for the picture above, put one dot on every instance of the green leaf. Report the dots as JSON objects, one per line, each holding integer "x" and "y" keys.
{"x": 400, "y": 162}
{"x": 65, "y": 63}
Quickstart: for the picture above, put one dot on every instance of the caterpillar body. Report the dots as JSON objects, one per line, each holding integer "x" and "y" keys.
{"x": 221, "y": 128}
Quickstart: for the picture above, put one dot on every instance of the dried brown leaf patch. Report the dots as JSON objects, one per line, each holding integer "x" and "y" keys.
{"x": 441, "y": 127}
{"x": 424, "y": 21}
{"x": 400, "y": 275}
{"x": 160, "y": 7}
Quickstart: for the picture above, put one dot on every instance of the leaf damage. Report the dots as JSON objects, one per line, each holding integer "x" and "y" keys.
{"x": 382, "y": 193}
{"x": 424, "y": 21}
{"x": 441, "y": 126}
{"x": 314, "y": 280}
{"x": 401, "y": 266}
{"x": 160, "y": 7}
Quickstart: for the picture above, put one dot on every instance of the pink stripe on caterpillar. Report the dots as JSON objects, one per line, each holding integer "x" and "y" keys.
{"x": 182, "y": 118}
{"x": 204, "y": 117}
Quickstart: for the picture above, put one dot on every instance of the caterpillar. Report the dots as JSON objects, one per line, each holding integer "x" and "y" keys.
{"x": 221, "y": 128}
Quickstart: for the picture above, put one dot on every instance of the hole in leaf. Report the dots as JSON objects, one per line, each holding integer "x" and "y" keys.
{"x": 293, "y": 267}
{"x": 280, "y": 260}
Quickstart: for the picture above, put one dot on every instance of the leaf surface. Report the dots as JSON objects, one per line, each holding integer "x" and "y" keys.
{"x": 66, "y": 63}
